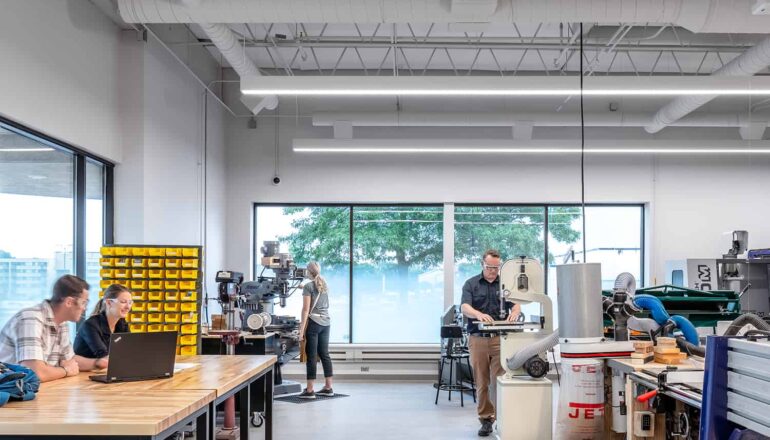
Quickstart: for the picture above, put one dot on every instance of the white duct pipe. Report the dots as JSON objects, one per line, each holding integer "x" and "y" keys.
{"x": 715, "y": 16}
{"x": 227, "y": 43}
{"x": 494, "y": 119}
{"x": 749, "y": 63}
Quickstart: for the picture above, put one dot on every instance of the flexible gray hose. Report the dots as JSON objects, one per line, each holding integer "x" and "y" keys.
{"x": 627, "y": 282}
{"x": 690, "y": 348}
{"x": 540, "y": 346}
{"x": 645, "y": 325}
{"x": 743, "y": 320}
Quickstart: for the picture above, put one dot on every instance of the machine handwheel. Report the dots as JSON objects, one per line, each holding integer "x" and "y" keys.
{"x": 257, "y": 419}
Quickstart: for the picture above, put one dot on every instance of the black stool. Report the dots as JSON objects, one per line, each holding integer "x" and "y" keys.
{"x": 454, "y": 355}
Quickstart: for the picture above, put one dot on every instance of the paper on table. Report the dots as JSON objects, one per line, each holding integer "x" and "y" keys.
{"x": 179, "y": 366}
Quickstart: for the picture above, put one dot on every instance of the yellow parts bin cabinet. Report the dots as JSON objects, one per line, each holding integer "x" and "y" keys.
{"x": 189, "y": 318}
{"x": 138, "y": 284}
{"x": 155, "y": 296}
{"x": 173, "y": 263}
{"x": 188, "y": 350}
{"x": 190, "y": 263}
{"x": 106, "y": 262}
{"x": 139, "y": 273}
{"x": 140, "y": 251}
{"x": 187, "y": 285}
{"x": 172, "y": 296}
{"x": 188, "y": 340}
{"x": 188, "y": 329}
{"x": 155, "y": 317}
{"x": 137, "y": 328}
{"x": 154, "y": 328}
{"x": 173, "y": 252}
{"x": 107, "y": 273}
{"x": 171, "y": 307}
{"x": 139, "y": 307}
{"x": 107, "y": 251}
{"x": 121, "y": 262}
{"x": 138, "y": 262}
{"x": 188, "y": 307}
{"x": 172, "y": 285}
{"x": 137, "y": 317}
{"x": 156, "y": 252}
{"x": 156, "y": 273}
{"x": 138, "y": 295}
{"x": 155, "y": 307}
{"x": 190, "y": 274}
{"x": 154, "y": 263}
{"x": 155, "y": 284}
{"x": 190, "y": 252}
{"x": 172, "y": 274}
{"x": 171, "y": 327}
{"x": 188, "y": 295}
{"x": 122, "y": 273}
{"x": 171, "y": 318}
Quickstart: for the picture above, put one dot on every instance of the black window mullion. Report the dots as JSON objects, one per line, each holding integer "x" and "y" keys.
{"x": 79, "y": 251}
{"x": 546, "y": 261}
{"x": 350, "y": 278}
{"x": 109, "y": 205}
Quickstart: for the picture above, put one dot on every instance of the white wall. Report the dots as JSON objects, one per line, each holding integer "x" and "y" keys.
{"x": 59, "y": 72}
{"x": 690, "y": 202}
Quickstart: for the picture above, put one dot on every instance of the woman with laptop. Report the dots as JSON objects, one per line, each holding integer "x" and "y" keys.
{"x": 314, "y": 328}
{"x": 108, "y": 317}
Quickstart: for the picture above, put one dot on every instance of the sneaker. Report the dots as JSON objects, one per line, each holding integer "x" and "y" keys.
{"x": 486, "y": 428}
{"x": 326, "y": 392}
{"x": 305, "y": 394}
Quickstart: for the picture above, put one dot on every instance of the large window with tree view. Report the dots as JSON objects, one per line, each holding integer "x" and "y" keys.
{"x": 385, "y": 264}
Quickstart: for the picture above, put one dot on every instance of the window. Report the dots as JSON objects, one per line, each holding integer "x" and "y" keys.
{"x": 39, "y": 199}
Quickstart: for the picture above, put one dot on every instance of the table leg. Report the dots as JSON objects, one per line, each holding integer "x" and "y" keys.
{"x": 268, "y": 399}
{"x": 202, "y": 422}
{"x": 245, "y": 411}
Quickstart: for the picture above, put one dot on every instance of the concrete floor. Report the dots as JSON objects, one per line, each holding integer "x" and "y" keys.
{"x": 379, "y": 410}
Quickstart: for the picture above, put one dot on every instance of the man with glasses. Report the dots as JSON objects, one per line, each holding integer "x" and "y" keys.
{"x": 481, "y": 302}
{"x": 38, "y": 337}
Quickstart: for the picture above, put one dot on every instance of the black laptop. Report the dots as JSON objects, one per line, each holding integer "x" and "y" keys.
{"x": 140, "y": 356}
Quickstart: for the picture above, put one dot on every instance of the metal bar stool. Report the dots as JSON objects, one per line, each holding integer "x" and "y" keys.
{"x": 454, "y": 354}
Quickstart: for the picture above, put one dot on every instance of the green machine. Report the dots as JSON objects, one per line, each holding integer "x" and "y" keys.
{"x": 703, "y": 308}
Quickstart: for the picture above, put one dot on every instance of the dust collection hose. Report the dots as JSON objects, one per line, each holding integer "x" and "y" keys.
{"x": 627, "y": 282}
{"x": 540, "y": 346}
{"x": 689, "y": 348}
{"x": 654, "y": 305}
{"x": 687, "y": 329}
{"x": 743, "y": 320}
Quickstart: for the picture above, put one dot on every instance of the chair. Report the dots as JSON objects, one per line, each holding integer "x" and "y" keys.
{"x": 454, "y": 353}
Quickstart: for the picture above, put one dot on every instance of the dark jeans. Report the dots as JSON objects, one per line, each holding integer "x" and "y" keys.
{"x": 317, "y": 344}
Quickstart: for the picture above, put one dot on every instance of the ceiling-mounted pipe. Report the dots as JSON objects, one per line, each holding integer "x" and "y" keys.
{"x": 715, "y": 16}
{"x": 749, "y": 63}
{"x": 497, "y": 119}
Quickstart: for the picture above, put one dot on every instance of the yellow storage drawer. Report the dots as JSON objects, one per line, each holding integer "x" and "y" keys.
{"x": 188, "y": 307}
{"x": 138, "y": 273}
{"x": 137, "y": 328}
{"x": 172, "y": 296}
{"x": 105, "y": 283}
{"x": 189, "y": 318}
{"x": 173, "y": 252}
{"x": 172, "y": 285}
{"x": 139, "y": 284}
{"x": 190, "y": 252}
{"x": 155, "y": 284}
{"x": 139, "y": 307}
{"x": 189, "y": 295}
{"x": 155, "y": 296}
{"x": 188, "y": 350}
{"x": 187, "y": 285}
{"x": 190, "y": 263}
{"x": 171, "y": 328}
{"x": 171, "y": 317}
{"x": 106, "y": 262}
{"x": 178, "y": 350}
{"x": 122, "y": 273}
{"x": 101, "y": 294}
{"x": 189, "y": 329}
{"x": 173, "y": 263}
{"x": 137, "y": 317}
{"x": 155, "y": 262}
{"x": 154, "y": 328}
{"x": 121, "y": 251}
{"x": 171, "y": 307}
{"x": 107, "y": 251}
{"x": 155, "y": 273}
{"x": 156, "y": 252}
{"x": 172, "y": 274}
{"x": 107, "y": 273}
{"x": 121, "y": 262}
{"x": 138, "y": 262}
{"x": 154, "y": 307}
{"x": 188, "y": 340}
{"x": 190, "y": 274}
{"x": 140, "y": 251}
{"x": 138, "y": 295}
{"x": 155, "y": 317}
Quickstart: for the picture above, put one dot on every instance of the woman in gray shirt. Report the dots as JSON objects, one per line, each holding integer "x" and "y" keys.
{"x": 314, "y": 328}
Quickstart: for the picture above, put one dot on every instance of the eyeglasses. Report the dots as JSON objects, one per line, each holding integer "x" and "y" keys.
{"x": 123, "y": 302}
{"x": 82, "y": 302}
{"x": 488, "y": 267}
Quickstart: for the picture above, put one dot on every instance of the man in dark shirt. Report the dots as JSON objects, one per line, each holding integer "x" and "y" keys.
{"x": 481, "y": 302}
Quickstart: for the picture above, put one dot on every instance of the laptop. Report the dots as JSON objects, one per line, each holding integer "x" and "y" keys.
{"x": 139, "y": 356}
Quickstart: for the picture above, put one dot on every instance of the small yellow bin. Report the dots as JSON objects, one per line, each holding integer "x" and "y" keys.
{"x": 154, "y": 307}
{"x": 121, "y": 262}
{"x": 172, "y": 274}
{"x": 191, "y": 274}
{"x": 171, "y": 307}
{"x": 106, "y": 262}
{"x": 137, "y": 317}
{"x": 105, "y": 283}
{"x": 107, "y": 273}
{"x": 156, "y": 252}
{"x": 173, "y": 263}
{"x": 188, "y": 307}
{"x": 189, "y": 329}
{"x": 171, "y": 317}
{"x": 172, "y": 285}
{"x": 122, "y": 273}
{"x": 188, "y": 340}
{"x": 190, "y": 263}
{"x": 139, "y": 284}
{"x": 172, "y": 295}
{"x": 190, "y": 252}
{"x": 188, "y": 295}
{"x": 138, "y": 295}
{"x": 138, "y": 273}
{"x": 155, "y": 317}
{"x": 173, "y": 252}
{"x": 107, "y": 251}
{"x": 122, "y": 251}
{"x": 137, "y": 328}
{"x": 178, "y": 350}
{"x": 154, "y": 328}
{"x": 156, "y": 262}
{"x": 139, "y": 307}
{"x": 171, "y": 328}
{"x": 101, "y": 294}
{"x": 189, "y": 318}
{"x": 138, "y": 262}
{"x": 187, "y": 285}
{"x": 155, "y": 284}
{"x": 155, "y": 296}
{"x": 188, "y": 350}
{"x": 140, "y": 251}
{"x": 156, "y": 273}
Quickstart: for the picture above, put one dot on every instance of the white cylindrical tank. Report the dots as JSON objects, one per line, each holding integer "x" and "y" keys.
{"x": 579, "y": 295}
{"x": 581, "y": 400}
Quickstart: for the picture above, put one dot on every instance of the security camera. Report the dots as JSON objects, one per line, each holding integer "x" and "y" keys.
{"x": 276, "y": 180}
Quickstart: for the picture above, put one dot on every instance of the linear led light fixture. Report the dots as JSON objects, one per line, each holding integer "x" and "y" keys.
{"x": 494, "y": 146}
{"x": 23, "y": 150}
{"x": 502, "y": 86}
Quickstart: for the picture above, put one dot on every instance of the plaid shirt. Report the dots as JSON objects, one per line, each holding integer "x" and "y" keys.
{"x": 32, "y": 334}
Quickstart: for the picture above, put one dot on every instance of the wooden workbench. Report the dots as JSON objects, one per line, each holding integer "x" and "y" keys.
{"x": 79, "y": 407}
